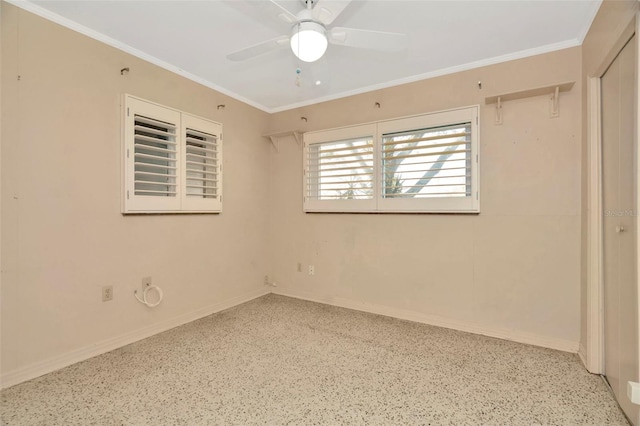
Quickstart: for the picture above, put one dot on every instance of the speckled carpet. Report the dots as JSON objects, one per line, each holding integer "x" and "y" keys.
{"x": 282, "y": 361}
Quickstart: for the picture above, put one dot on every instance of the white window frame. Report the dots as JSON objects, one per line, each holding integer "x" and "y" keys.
{"x": 378, "y": 204}
{"x": 181, "y": 203}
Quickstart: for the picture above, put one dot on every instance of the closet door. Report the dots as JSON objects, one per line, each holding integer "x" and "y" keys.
{"x": 619, "y": 189}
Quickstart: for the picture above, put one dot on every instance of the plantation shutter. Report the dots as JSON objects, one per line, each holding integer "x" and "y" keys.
{"x": 154, "y": 153}
{"x": 342, "y": 170}
{"x": 430, "y": 162}
{"x": 152, "y": 157}
{"x": 419, "y": 164}
{"x": 172, "y": 160}
{"x": 202, "y": 164}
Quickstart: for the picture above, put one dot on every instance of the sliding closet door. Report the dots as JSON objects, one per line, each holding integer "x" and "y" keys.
{"x": 619, "y": 189}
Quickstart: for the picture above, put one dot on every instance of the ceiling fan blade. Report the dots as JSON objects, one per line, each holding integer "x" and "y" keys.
{"x": 326, "y": 11}
{"x": 272, "y": 7}
{"x": 367, "y": 39}
{"x": 259, "y": 49}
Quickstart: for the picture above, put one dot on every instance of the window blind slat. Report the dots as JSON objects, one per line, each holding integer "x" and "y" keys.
{"x": 200, "y": 149}
{"x": 143, "y": 173}
{"x": 203, "y": 157}
{"x": 138, "y": 165}
{"x": 348, "y": 155}
{"x": 148, "y": 191}
{"x": 154, "y": 122}
{"x": 427, "y": 170}
{"x": 154, "y": 149}
{"x": 200, "y": 186}
{"x": 327, "y": 176}
{"x": 320, "y": 149}
{"x": 368, "y": 161}
{"x": 348, "y": 184}
{"x": 150, "y": 182}
{"x": 430, "y": 154}
{"x": 142, "y": 140}
{"x": 315, "y": 170}
{"x": 200, "y": 179}
{"x": 430, "y": 186}
{"x": 391, "y": 166}
{"x": 429, "y": 138}
{"x": 205, "y": 136}
{"x": 154, "y": 157}
{"x": 209, "y": 166}
{"x": 195, "y": 143}
{"x": 164, "y": 133}
{"x": 390, "y": 148}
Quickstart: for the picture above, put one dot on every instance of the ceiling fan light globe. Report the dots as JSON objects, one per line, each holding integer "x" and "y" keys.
{"x": 308, "y": 41}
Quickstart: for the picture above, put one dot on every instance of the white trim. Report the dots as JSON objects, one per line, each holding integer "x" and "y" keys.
{"x": 594, "y": 350}
{"x": 436, "y": 73}
{"x": 637, "y": 135}
{"x": 60, "y": 361}
{"x": 595, "y": 280}
{"x": 469, "y": 327}
{"x": 72, "y": 25}
{"x": 54, "y": 17}
{"x": 582, "y": 354}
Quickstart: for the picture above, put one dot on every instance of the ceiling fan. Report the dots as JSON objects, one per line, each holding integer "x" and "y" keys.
{"x": 310, "y": 32}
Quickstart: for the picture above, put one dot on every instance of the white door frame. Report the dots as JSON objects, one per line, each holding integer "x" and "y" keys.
{"x": 593, "y": 355}
{"x": 595, "y": 301}
{"x": 637, "y": 212}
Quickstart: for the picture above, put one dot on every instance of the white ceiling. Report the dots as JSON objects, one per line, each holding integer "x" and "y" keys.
{"x": 194, "y": 37}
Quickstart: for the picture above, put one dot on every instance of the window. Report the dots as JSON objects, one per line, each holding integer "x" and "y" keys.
{"x": 426, "y": 163}
{"x": 340, "y": 169}
{"x": 172, "y": 160}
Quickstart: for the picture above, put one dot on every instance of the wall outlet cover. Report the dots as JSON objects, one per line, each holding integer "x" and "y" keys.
{"x": 107, "y": 293}
{"x": 633, "y": 392}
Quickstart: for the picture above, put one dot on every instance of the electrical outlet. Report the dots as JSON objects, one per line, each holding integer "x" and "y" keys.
{"x": 107, "y": 293}
{"x": 146, "y": 282}
{"x": 312, "y": 270}
{"x": 299, "y": 267}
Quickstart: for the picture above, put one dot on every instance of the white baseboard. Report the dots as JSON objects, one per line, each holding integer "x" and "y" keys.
{"x": 582, "y": 353}
{"x": 60, "y": 361}
{"x": 513, "y": 335}
{"x": 37, "y": 369}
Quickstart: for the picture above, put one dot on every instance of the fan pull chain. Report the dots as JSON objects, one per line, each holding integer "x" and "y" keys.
{"x": 298, "y": 70}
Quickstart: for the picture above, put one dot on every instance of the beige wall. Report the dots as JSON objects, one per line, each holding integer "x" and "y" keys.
{"x": 63, "y": 236}
{"x": 512, "y": 271}
{"x": 611, "y": 21}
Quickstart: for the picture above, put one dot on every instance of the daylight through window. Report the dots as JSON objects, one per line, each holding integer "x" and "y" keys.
{"x": 426, "y": 163}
